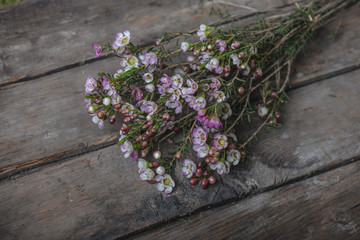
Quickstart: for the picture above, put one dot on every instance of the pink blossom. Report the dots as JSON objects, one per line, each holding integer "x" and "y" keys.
{"x": 148, "y": 59}
{"x": 147, "y": 175}
{"x": 189, "y": 168}
{"x": 185, "y": 46}
{"x": 198, "y": 104}
{"x": 220, "y": 141}
{"x": 137, "y": 94}
{"x": 201, "y": 151}
{"x": 215, "y": 85}
{"x": 199, "y": 136}
{"x": 148, "y": 107}
{"x": 225, "y": 111}
{"x": 166, "y": 81}
{"x": 127, "y": 148}
{"x": 165, "y": 183}
{"x": 212, "y": 64}
{"x": 90, "y": 85}
{"x": 98, "y": 49}
{"x": 122, "y": 39}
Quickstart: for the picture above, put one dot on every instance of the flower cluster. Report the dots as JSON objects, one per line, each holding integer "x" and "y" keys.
{"x": 196, "y": 105}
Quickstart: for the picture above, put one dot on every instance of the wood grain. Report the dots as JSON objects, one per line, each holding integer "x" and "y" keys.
{"x": 98, "y": 195}
{"x": 42, "y": 36}
{"x": 326, "y": 206}
{"x": 50, "y": 120}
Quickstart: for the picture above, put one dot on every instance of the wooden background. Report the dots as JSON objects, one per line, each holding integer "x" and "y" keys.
{"x": 62, "y": 178}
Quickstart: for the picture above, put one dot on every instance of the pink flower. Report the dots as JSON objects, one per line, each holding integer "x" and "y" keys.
{"x": 148, "y": 174}
{"x": 90, "y": 85}
{"x": 199, "y": 136}
{"x": 198, "y": 104}
{"x": 137, "y": 94}
{"x": 122, "y": 39}
{"x": 220, "y": 96}
{"x": 148, "y": 59}
{"x": 165, "y": 183}
{"x": 220, "y": 141}
{"x": 98, "y": 121}
{"x": 148, "y": 107}
{"x": 215, "y": 85}
{"x": 213, "y": 122}
{"x": 212, "y": 64}
{"x": 177, "y": 81}
{"x": 98, "y": 49}
{"x": 201, "y": 151}
{"x": 189, "y": 168}
{"x": 129, "y": 62}
{"x": 127, "y": 148}
{"x": 166, "y": 81}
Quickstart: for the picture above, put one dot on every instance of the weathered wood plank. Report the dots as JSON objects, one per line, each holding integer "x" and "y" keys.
{"x": 42, "y": 36}
{"x": 59, "y": 125}
{"x": 98, "y": 195}
{"x": 322, "y": 207}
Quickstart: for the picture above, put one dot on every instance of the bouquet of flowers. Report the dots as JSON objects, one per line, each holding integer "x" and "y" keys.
{"x": 193, "y": 89}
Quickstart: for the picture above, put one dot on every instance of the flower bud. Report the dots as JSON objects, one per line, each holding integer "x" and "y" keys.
{"x": 235, "y": 45}
{"x": 143, "y": 153}
{"x": 212, "y": 180}
{"x": 178, "y": 155}
{"x": 193, "y": 181}
{"x": 160, "y": 170}
{"x": 157, "y": 154}
{"x": 277, "y": 115}
{"x": 126, "y": 120}
{"x": 241, "y": 90}
{"x": 112, "y": 120}
{"x": 106, "y": 101}
{"x": 91, "y": 109}
{"x": 154, "y": 164}
{"x": 144, "y": 143}
{"x": 240, "y": 55}
{"x": 273, "y": 95}
{"x": 165, "y": 116}
{"x": 227, "y": 69}
{"x": 204, "y": 183}
{"x": 101, "y": 114}
{"x": 199, "y": 172}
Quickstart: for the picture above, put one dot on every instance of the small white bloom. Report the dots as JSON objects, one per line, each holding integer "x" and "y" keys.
{"x": 148, "y": 174}
{"x": 150, "y": 87}
{"x": 220, "y": 96}
{"x": 263, "y": 111}
{"x": 165, "y": 183}
{"x": 185, "y": 46}
{"x": 233, "y": 156}
{"x": 148, "y": 77}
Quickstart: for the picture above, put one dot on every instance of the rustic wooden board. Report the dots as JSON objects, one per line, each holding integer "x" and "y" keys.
{"x": 40, "y": 37}
{"x": 98, "y": 195}
{"x": 326, "y": 206}
{"x": 66, "y": 129}
{"x": 321, "y": 60}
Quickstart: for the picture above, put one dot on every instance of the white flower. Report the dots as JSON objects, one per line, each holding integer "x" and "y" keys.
{"x": 177, "y": 81}
{"x": 165, "y": 183}
{"x": 233, "y": 156}
{"x": 236, "y": 60}
{"x": 122, "y": 39}
{"x": 127, "y": 148}
{"x": 130, "y": 108}
{"x": 185, "y": 46}
{"x": 188, "y": 168}
{"x": 98, "y": 121}
{"x": 150, "y": 87}
{"x": 263, "y": 111}
{"x": 219, "y": 167}
{"x": 160, "y": 170}
{"x": 225, "y": 111}
{"x": 212, "y": 64}
{"x": 142, "y": 165}
{"x": 201, "y": 151}
{"x": 220, "y": 96}
{"x": 129, "y": 62}
{"x": 148, "y": 174}
{"x": 148, "y": 77}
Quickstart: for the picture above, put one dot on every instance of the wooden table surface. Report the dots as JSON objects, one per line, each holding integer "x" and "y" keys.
{"x": 62, "y": 178}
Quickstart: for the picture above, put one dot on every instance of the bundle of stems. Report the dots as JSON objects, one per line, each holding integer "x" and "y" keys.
{"x": 196, "y": 87}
